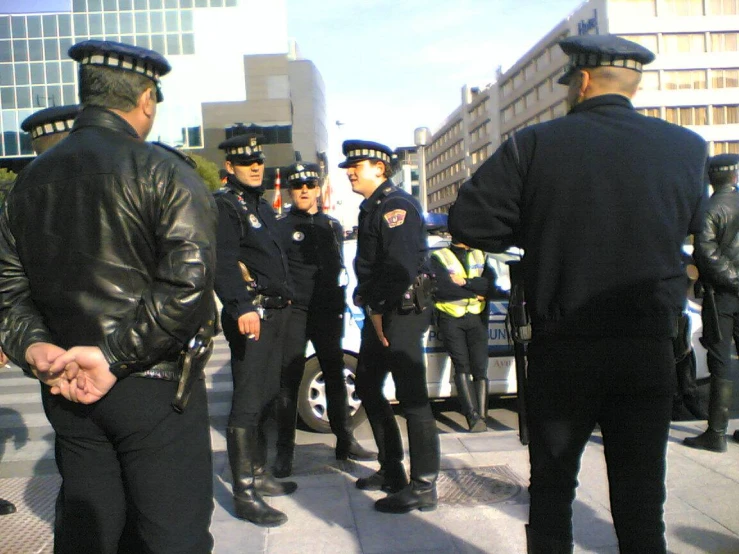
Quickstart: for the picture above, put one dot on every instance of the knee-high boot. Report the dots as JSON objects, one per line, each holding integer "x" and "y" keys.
{"x": 286, "y": 421}
{"x": 475, "y": 424}
{"x": 714, "y": 438}
{"x": 391, "y": 476}
{"x": 347, "y": 446}
{"x": 241, "y": 444}
{"x": 482, "y": 387}
{"x": 537, "y": 543}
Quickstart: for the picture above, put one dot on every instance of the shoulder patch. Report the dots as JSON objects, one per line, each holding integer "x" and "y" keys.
{"x": 395, "y": 218}
{"x": 184, "y": 157}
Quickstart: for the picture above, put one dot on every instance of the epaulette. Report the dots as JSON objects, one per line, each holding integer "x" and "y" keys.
{"x": 220, "y": 191}
{"x": 179, "y": 153}
{"x": 388, "y": 189}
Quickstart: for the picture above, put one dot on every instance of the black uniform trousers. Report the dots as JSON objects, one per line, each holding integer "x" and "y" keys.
{"x": 404, "y": 360}
{"x": 719, "y": 357}
{"x": 255, "y": 368}
{"x": 325, "y": 332}
{"x": 466, "y": 340}
{"x": 136, "y": 476}
{"x": 625, "y": 385}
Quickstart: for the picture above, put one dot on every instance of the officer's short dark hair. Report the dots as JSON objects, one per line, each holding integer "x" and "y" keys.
{"x": 110, "y": 88}
{"x": 723, "y": 178}
{"x": 388, "y": 168}
{"x": 44, "y": 142}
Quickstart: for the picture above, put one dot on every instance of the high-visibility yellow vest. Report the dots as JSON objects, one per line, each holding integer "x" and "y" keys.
{"x": 476, "y": 263}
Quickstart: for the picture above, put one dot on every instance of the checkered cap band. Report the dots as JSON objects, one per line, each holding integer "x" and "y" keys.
{"x": 127, "y": 63}
{"x": 303, "y": 175}
{"x": 368, "y": 153}
{"x": 596, "y": 60}
{"x": 723, "y": 168}
{"x": 52, "y": 128}
{"x": 243, "y": 150}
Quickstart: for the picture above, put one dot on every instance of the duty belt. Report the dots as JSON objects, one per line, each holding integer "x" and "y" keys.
{"x": 271, "y": 302}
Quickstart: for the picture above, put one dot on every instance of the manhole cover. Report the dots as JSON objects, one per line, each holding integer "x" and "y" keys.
{"x": 481, "y": 485}
{"x": 29, "y": 530}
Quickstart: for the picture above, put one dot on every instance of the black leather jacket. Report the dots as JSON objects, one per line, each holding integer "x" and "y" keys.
{"x": 717, "y": 244}
{"x": 109, "y": 241}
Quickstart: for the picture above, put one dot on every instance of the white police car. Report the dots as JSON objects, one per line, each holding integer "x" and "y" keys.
{"x": 439, "y": 375}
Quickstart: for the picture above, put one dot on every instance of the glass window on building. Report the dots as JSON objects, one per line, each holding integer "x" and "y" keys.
{"x": 686, "y": 79}
{"x": 80, "y": 25}
{"x": 6, "y": 54}
{"x": 7, "y": 98}
{"x": 144, "y": 41}
{"x": 125, "y": 5}
{"x": 69, "y": 95}
{"x": 65, "y": 25}
{"x": 53, "y": 72}
{"x": 35, "y": 50}
{"x": 649, "y": 80}
{"x": 186, "y": 21}
{"x": 51, "y": 49}
{"x": 69, "y": 71}
{"x": 79, "y": 6}
{"x": 725, "y": 115}
{"x": 683, "y": 42}
{"x": 517, "y": 80}
{"x": 111, "y": 24}
{"x": 95, "y": 24}
{"x": 722, "y": 7}
{"x": 126, "y": 23}
{"x": 110, "y": 5}
{"x": 724, "y": 42}
{"x": 201, "y": 3}
{"x": 681, "y": 7}
{"x": 140, "y": 5}
{"x": 172, "y": 21}
{"x": 39, "y": 98}
{"x": 173, "y": 45}
{"x": 507, "y": 87}
{"x": 18, "y": 26}
{"x": 4, "y": 27}
{"x": 725, "y": 78}
{"x": 20, "y": 50}
{"x": 37, "y": 74}
{"x": 651, "y": 112}
{"x": 188, "y": 43}
{"x": 54, "y": 95}
{"x": 171, "y": 4}
{"x": 157, "y": 43}
{"x": 157, "y": 22}
{"x": 156, "y": 4}
{"x": 726, "y": 147}
{"x": 51, "y": 29}
{"x": 94, "y": 5}
{"x": 142, "y": 22}
{"x": 33, "y": 24}
{"x": 7, "y": 78}
{"x": 22, "y": 74}
{"x": 23, "y": 97}
{"x": 530, "y": 98}
{"x": 647, "y": 41}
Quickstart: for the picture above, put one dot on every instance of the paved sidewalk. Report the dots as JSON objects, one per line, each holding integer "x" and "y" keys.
{"x": 483, "y": 504}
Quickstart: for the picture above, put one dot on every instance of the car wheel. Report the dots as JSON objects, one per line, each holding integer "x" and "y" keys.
{"x": 312, "y": 405}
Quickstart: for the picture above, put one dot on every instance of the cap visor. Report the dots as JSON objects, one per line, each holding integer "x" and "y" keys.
{"x": 565, "y": 79}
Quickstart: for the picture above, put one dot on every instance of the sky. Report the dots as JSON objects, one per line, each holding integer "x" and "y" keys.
{"x": 390, "y": 66}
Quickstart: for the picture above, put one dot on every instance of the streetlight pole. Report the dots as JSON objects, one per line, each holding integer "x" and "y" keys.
{"x": 421, "y": 137}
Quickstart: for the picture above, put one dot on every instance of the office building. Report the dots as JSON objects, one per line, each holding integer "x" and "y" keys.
{"x": 693, "y": 82}
{"x": 228, "y": 71}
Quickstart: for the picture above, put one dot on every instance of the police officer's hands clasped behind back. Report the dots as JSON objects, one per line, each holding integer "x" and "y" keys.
{"x": 102, "y": 301}
{"x": 254, "y": 286}
{"x": 314, "y": 245}
{"x": 601, "y": 201}
{"x": 717, "y": 257}
{"x": 391, "y": 254}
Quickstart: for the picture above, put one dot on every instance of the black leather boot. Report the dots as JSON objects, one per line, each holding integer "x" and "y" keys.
{"x": 482, "y": 387}
{"x": 248, "y": 503}
{"x": 420, "y": 494}
{"x": 286, "y": 420}
{"x": 265, "y": 484}
{"x": 714, "y": 438}
{"x": 539, "y": 544}
{"x": 687, "y": 387}
{"x": 474, "y": 422}
{"x": 423, "y": 442}
{"x": 390, "y": 478}
{"x": 351, "y": 449}
{"x": 6, "y": 508}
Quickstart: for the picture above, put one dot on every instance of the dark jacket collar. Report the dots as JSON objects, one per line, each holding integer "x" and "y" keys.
{"x": 93, "y": 116}
{"x": 301, "y": 213}
{"x": 603, "y": 100}
{"x": 368, "y": 203}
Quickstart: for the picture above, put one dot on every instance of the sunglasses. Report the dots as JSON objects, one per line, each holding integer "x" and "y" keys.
{"x": 298, "y": 186}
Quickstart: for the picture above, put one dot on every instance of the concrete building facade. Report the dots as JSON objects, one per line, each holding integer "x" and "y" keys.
{"x": 693, "y": 82}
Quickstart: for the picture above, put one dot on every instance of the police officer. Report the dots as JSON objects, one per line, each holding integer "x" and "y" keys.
{"x": 107, "y": 267}
{"x": 464, "y": 283}
{"x": 717, "y": 257}
{"x": 391, "y": 253}
{"x": 46, "y": 127}
{"x": 314, "y": 242}
{"x": 253, "y": 284}
{"x": 601, "y": 201}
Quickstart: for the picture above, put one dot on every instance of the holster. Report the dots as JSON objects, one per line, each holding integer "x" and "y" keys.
{"x": 192, "y": 362}
{"x": 518, "y": 319}
{"x": 423, "y": 288}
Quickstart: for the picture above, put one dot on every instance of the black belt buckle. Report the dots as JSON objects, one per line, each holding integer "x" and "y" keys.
{"x": 274, "y": 302}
